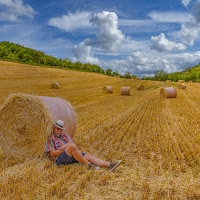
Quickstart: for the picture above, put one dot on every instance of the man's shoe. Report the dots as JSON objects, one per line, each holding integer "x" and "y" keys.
{"x": 92, "y": 166}
{"x": 113, "y": 165}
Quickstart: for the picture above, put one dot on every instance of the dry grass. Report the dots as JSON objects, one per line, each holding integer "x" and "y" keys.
{"x": 157, "y": 139}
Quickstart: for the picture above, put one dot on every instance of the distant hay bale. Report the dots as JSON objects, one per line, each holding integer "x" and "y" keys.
{"x": 26, "y": 121}
{"x": 55, "y": 85}
{"x": 168, "y": 92}
{"x": 168, "y": 81}
{"x": 107, "y": 89}
{"x": 140, "y": 87}
{"x": 182, "y": 86}
{"x": 190, "y": 81}
{"x": 125, "y": 91}
{"x": 181, "y": 81}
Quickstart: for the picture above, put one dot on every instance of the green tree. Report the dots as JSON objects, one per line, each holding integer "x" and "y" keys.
{"x": 109, "y": 72}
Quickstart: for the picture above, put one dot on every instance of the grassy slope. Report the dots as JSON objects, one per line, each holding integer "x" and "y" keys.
{"x": 158, "y": 140}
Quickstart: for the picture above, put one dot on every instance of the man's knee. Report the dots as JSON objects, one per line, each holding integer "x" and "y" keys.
{"x": 71, "y": 146}
{"x": 87, "y": 156}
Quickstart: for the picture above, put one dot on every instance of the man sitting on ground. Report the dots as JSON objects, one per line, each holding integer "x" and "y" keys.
{"x": 61, "y": 147}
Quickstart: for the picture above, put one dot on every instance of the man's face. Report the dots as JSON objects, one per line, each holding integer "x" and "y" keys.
{"x": 57, "y": 131}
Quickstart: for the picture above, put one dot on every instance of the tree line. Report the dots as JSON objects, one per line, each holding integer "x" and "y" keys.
{"x": 189, "y": 74}
{"x": 17, "y": 53}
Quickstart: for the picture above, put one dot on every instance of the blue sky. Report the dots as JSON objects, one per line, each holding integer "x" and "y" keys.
{"x": 136, "y": 36}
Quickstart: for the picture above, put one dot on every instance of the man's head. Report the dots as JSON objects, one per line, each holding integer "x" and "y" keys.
{"x": 58, "y": 127}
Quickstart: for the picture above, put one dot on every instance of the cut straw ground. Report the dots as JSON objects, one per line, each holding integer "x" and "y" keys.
{"x": 27, "y": 120}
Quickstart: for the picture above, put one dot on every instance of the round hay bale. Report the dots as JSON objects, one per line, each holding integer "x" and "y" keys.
{"x": 168, "y": 81}
{"x": 140, "y": 87}
{"x": 168, "y": 92}
{"x": 55, "y": 86}
{"x": 182, "y": 86}
{"x": 190, "y": 81}
{"x": 107, "y": 89}
{"x": 125, "y": 91}
{"x": 181, "y": 81}
{"x": 26, "y": 121}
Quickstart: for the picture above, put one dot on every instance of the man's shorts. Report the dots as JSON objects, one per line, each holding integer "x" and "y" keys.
{"x": 65, "y": 159}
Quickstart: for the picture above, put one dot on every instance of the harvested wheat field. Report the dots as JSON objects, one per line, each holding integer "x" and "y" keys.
{"x": 157, "y": 139}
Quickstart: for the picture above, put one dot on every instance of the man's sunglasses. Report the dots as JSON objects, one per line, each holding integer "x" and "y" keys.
{"x": 58, "y": 129}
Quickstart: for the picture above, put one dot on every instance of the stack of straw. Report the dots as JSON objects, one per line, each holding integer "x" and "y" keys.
{"x": 182, "y": 86}
{"x": 26, "y": 121}
{"x": 140, "y": 87}
{"x": 107, "y": 89}
{"x": 168, "y": 92}
{"x": 55, "y": 86}
{"x": 125, "y": 91}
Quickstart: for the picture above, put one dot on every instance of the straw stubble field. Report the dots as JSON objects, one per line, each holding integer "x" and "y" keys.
{"x": 157, "y": 139}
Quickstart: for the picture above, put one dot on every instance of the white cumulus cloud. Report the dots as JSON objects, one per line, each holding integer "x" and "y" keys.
{"x": 190, "y": 30}
{"x": 161, "y": 43}
{"x": 15, "y": 9}
{"x": 109, "y": 36}
{"x": 82, "y": 54}
{"x": 142, "y": 64}
{"x": 71, "y": 21}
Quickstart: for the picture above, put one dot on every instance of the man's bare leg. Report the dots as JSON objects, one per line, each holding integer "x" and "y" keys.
{"x": 98, "y": 162}
{"x": 72, "y": 150}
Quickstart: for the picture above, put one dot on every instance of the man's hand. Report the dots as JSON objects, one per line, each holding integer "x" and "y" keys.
{"x": 62, "y": 148}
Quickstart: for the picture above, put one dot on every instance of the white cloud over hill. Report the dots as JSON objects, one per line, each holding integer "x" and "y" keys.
{"x": 14, "y": 10}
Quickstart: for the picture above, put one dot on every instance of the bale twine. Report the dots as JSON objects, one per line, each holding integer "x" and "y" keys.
{"x": 168, "y": 92}
{"x": 140, "y": 87}
{"x": 55, "y": 86}
{"x": 107, "y": 89}
{"x": 26, "y": 121}
{"x": 181, "y": 81}
{"x": 125, "y": 91}
{"x": 182, "y": 86}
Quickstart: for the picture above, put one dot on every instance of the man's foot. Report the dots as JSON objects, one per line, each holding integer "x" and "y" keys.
{"x": 92, "y": 166}
{"x": 113, "y": 165}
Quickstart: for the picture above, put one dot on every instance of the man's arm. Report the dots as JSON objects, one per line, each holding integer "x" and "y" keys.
{"x": 57, "y": 152}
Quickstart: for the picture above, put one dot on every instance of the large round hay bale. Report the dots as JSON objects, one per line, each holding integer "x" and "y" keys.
{"x": 168, "y": 81}
{"x": 107, "y": 89}
{"x": 181, "y": 81}
{"x": 26, "y": 121}
{"x": 55, "y": 86}
{"x": 168, "y": 92}
{"x": 140, "y": 87}
{"x": 182, "y": 86}
{"x": 125, "y": 91}
{"x": 190, "y": 81}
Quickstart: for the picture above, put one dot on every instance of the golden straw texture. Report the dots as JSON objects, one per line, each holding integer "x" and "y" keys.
{"x": 107, "y": 89}
{"x": 140, "y": 87}
{"x": 168, "y": 92}
{"x": 182, "y": 86}
{"x": 26, "y": 121}
{"x": 55, "y": 86}
{"x": 125, "y": 91}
